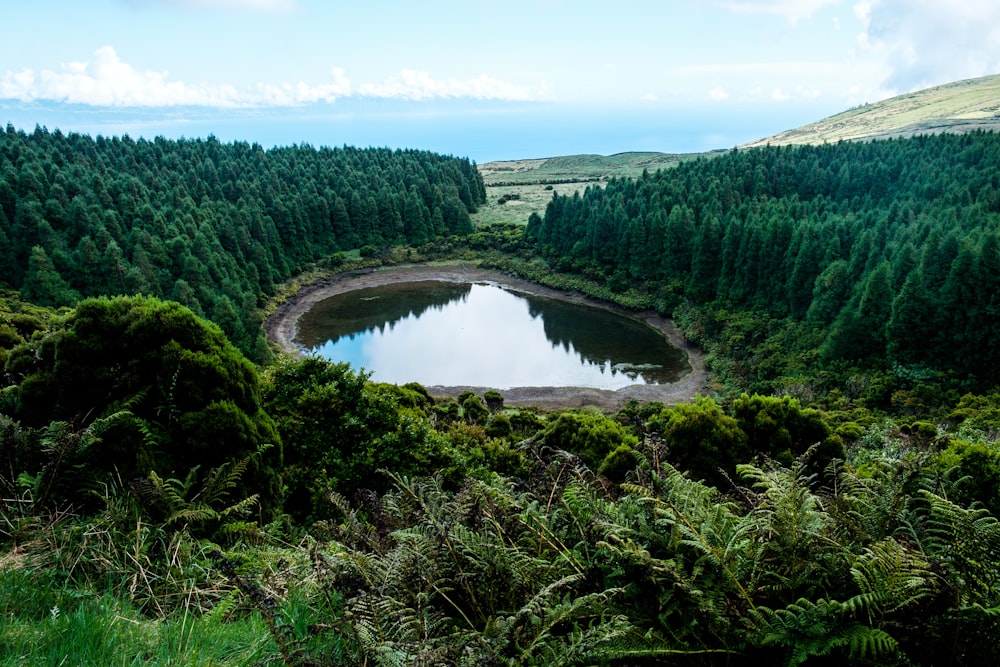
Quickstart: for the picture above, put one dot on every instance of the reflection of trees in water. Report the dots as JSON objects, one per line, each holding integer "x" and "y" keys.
{"x": 594, "y": 334}
{"x": 598, "y": 335}
{"x": 354, "y": 313}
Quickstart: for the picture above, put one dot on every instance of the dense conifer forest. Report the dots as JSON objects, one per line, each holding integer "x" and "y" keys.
{"x": 173, "y": 491}
{"x": 879, "y": 254}
{"x": 212, "y": 226}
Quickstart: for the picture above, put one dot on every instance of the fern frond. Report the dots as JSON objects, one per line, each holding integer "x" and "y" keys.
{"x": 241, "y": 508}
{"x": 221, "y": 610}
{"x": 188, "y": 515}
{"x": 890, "y": 578}
{"x": 170, "y": 490}
{"x": 806, "y": 629}
{"x": 967, "y": 540}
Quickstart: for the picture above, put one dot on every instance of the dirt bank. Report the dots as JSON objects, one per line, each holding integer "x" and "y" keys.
{"x": 281, "y": 328}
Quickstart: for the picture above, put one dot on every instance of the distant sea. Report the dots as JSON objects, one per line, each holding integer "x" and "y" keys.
{"x": 480, "y": 131}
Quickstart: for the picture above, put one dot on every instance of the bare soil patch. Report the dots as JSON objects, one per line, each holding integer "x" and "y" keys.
{"x": 281, "y": 330}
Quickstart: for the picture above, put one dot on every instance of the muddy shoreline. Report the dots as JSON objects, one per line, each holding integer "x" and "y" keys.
{"x": 281, "y": 330}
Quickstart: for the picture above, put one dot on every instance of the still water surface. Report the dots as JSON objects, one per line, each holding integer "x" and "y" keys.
{"x": 465, "y": 334}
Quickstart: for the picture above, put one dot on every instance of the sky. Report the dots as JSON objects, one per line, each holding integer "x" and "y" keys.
{"x": 483, "y": 79}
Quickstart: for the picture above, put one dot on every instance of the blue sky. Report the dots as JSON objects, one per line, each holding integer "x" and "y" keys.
{"x": 337, "y": 71}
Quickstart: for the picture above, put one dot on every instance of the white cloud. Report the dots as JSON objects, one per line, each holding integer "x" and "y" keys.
{"x": 718, "y": 93}
{"x": 264, "y": 6}
{"x": 930, "y": 42}
{"x": 107, "y": 81}
{"x": 805, "y": 92}
{"x": 849, "y": 81}
{"x": 796, "y": 68}
{"x": 301, "y": 93}
{"x": 416, "y": 85}
{"x": 793, "y": 10}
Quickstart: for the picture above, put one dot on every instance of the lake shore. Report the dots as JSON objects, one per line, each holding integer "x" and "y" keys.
{"x": 281, "y": 331}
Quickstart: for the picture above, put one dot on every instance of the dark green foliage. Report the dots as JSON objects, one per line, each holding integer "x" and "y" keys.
{"x": 341, "y": 433}
{"x": 873, "y": 243}
{"x": 494, "y": 400}
{"x": 780, "y": 428}
{"x": 618, "y": 463}
{"x": 499, "y": 426}
{"x": 977, "y": 465}
{"x": 42, "y": 283}
{"x": 589, "y": 435}
{"x": 169, "y": 391}
{"x": 474, "y": 411}
{"x": 211, "y": 225}
{"x": 702, "y": 439}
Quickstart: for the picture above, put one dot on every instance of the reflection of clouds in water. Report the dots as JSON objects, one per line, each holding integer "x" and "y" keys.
{"x": 500, "y": 344}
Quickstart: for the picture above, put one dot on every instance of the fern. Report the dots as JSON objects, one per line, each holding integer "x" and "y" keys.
{"x": 967, "y": 542}
{"x": 891, "y": 578}
{"x": 805, "y": 629}
{"x": 195, "y": 504}
{"x": 792, "y": 534}
{"x": 475, "y": 575}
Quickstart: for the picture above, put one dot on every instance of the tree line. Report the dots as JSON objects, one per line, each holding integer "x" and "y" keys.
{"x": 888, "y": 249}
{"x": 210, "y": 225}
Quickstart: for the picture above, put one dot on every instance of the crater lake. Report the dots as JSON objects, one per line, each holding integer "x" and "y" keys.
{"x": 481, "y": 335}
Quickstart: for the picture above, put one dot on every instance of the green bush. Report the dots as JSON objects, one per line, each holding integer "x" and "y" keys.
{"x": 589, "y": 435}
{"x": 168, "y": 392}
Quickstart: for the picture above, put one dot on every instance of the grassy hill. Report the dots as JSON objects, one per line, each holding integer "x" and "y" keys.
{"x": 516, "y": 188}
{"x": 961, "y": 106}
{"x": 579, "y": 168}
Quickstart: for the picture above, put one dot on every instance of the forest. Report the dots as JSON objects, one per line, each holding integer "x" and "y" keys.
{"x": 209, "y": 225}
{"x": 174, "y": 491}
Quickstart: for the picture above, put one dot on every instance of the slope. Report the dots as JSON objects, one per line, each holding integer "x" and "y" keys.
{"x": 961, "y": 106}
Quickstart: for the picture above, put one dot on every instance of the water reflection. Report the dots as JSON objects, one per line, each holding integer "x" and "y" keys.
{"x": 480, "y": 335}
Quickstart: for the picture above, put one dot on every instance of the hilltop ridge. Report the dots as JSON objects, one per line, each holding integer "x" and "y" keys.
{"x": 960, "y": 106}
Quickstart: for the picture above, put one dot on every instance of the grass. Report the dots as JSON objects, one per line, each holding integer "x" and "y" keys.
{"x": 43, "y": 622}
{"x": 531, "y": 198}
{"x": 955, "y": 107}
{"x": 528, "y": 185}
{"x": 572, "y": 168}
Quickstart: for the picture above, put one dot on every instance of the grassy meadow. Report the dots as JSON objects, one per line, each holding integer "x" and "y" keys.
{"x": 960, "y": 106}
{"x": 517, "y": 188}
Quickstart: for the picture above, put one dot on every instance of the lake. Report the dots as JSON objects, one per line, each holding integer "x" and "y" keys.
{"x": 479, "y": 334}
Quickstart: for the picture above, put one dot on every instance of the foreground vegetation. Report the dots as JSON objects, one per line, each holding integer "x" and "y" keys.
{"x": 164, "y": 499}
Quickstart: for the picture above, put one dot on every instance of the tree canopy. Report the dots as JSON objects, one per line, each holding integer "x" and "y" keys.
{"x": 890, "y": 248}
{"x": 213, "y": 226}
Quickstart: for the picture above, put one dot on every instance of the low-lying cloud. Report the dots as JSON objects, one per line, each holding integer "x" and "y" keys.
{"x": 415, "y": 85}
{"x": 930, "y": 42}
{"x": 793, "y": 10}
{"x": 105, "y": 80}
{"x": 265, "y": 6}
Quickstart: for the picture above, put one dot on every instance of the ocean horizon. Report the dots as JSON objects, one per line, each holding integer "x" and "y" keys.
{"x": 483, "y": 132}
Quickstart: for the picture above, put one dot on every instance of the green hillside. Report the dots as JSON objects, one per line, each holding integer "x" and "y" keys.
{"x": 517, "y": 188}
{"x": 572, "y": 168}
{"x": 961, "y": 106}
